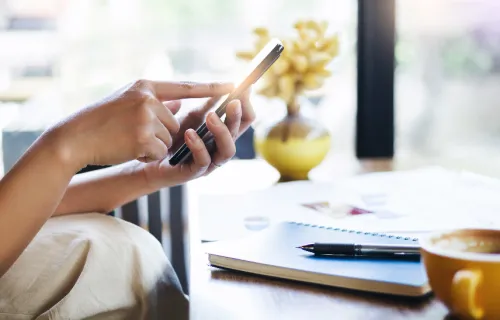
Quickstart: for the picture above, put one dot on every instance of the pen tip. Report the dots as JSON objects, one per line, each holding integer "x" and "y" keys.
{"x": 304, "y": 247}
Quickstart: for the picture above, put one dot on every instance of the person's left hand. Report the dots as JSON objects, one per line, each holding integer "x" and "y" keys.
{"x": 239, "y": 117}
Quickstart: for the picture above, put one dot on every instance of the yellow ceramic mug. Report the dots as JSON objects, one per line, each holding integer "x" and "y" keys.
{"x": 463, "y": 267}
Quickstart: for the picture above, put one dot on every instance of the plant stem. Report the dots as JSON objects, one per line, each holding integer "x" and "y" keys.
{"x": 286, "y": 131}
{"x": 293, "y": 107}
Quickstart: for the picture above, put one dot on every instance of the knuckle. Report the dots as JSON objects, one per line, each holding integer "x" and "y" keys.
{"x": 141, "y": 84}
{"x": 205, "y": 163}
{"x": 234, "y": 133}
{"x": 213, "y": 86}
{"x": 146, "y": 98}
{"x": 134, "y": 95}
{"x": 144, "y": 115}
{"x": 187, "y": 85}
{"x": 140, "y": 92}
{"x": 142, "y": 137}
{"x": 237, "y": 112}
{"x": 198, "y": 146}
{"x": 229, "y": 151}
{"x": 138, "y": 97}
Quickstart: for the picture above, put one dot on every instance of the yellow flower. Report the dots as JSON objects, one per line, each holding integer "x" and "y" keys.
{"x": 303, "y": 63}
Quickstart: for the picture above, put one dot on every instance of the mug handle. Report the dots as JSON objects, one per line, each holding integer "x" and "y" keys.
{"x": 464, "y": 292}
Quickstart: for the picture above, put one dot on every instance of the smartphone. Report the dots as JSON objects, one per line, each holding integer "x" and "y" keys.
{"x": 259, "y": 65}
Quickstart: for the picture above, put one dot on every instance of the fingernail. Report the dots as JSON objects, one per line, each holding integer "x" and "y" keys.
{"x": 214, "y": 120}
{"x": 192, "y": 135}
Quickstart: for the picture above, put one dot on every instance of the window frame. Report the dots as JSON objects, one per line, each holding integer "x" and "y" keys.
{"x": 375, "y": 128}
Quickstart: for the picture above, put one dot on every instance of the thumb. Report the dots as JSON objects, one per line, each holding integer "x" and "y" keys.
{"x": 154, "y": 151}
{"x": 174, "y": 106}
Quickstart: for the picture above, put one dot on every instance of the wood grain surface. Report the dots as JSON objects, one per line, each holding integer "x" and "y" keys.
{"x": 219, "y": 294}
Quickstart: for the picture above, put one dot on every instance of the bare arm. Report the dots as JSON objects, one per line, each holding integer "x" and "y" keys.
{"x": 29, "y": 194}
{"x": 132, "y": 123}
{"x": 105, "y": 189}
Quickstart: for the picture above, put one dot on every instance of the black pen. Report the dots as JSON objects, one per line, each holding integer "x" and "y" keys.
{"x": 354, "y": 249}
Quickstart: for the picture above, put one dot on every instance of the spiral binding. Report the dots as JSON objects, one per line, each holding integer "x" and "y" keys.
{"x": 375, "y": 234}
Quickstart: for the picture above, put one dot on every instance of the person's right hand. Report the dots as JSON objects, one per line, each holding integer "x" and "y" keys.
{"x": 132, "y": 123}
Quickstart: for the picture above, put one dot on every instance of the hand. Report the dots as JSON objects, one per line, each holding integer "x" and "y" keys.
{"x": 239, "y": 117}
{"x": 132, "y": 123}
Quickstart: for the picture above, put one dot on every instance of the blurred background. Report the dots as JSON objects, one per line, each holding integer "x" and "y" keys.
{"x": 57, "y": 56}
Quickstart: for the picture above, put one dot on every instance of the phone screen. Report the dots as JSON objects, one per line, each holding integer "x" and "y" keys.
{"x": 259, "y": 64}
{"x": 258, "y": 60}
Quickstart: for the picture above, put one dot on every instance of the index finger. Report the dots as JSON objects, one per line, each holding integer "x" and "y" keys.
{"x": 166, "y": 90}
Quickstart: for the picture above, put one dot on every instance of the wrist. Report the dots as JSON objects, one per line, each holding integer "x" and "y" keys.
{"x": 139, "y": 170}
{"x": 61, "y": 146}
{"x": 153, "y": 176}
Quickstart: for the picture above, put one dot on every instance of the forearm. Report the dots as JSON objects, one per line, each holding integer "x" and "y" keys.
{"x": 105, "y": 189}
{"x": 29, "y": 194}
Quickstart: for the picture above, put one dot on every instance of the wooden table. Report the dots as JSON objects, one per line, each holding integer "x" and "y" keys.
{"x": 218, "y": 294}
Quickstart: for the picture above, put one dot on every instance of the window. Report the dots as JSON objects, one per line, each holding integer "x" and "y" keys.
{"x": 66, "y": 54}
{"x": 448, "y": 82}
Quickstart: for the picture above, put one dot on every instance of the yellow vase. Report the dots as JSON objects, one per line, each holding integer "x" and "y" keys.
{"x": 293, "y": 146}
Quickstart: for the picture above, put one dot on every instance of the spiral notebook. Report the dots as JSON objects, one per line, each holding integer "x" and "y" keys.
{"x": 272, "y": 252}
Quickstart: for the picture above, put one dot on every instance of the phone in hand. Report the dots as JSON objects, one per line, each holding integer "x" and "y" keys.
{"x": 259, "y": 65}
